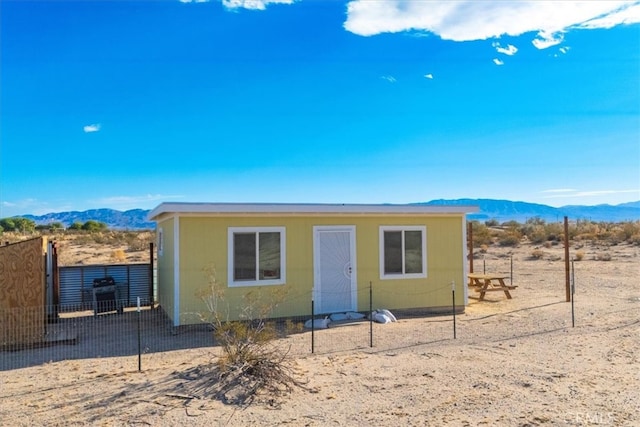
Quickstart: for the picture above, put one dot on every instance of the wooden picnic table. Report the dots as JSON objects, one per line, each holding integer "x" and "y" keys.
{"x": 484, "y": 283}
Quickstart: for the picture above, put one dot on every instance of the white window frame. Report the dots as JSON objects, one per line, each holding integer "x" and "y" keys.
{"x": 230, "y": 251}
{"x": 403, "y": 228}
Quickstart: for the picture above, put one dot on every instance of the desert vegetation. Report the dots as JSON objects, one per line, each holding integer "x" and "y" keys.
{"x": 76, "y": 243}
{"x": 547, "y": 234}
{"x": 253, "y": 362}
{"x": 248, "y": 378}
{"x": 124, "y": 246}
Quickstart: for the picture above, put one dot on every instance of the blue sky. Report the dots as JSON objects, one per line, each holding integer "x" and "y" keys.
{"x": 126, "y": 104}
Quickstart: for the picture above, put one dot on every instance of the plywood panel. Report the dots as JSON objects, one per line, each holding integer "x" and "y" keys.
{"x": 22, "y": 292}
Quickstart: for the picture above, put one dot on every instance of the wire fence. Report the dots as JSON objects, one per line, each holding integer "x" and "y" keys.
{"x": 35, "y": 335}
{"x": 29, "y": 336}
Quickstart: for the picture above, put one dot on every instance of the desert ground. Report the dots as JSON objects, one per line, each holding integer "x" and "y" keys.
{"x": 514, "y": 362}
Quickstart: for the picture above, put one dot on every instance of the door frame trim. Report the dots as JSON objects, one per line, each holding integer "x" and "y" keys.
{"x": 316, "y": 262}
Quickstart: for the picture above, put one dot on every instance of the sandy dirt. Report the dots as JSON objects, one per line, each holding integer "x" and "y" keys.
{"x": 103, "y": 248}
{"x": 514, "y": 362}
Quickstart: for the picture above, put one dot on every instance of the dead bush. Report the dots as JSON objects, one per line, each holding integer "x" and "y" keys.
{"x": 118, "y": 255}
{"x": 137, "y": 242}
{"x": 253, "y": 362}
{"x": 579, "y": 256}
{"x": 605, "y": 256}
{"x": 537, "y": 254}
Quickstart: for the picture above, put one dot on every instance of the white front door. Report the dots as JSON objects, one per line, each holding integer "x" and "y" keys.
{"x": 335, "y": 284}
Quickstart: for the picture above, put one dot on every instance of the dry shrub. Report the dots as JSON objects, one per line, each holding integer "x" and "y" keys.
{"x": 548, "y": 244}
{"x": 579, "y": 256}
{"x": 293, "y": 327}
{"x": 484, "y": 248}
{"x": 253, "y": 361}
{"x": 605, "y": 256}
{"x": 481, "y": 234}
{"x": 118, "y": 255}
{"x": 138, "y": 241}
{"x": 510, "y": 238}
{"x": 537, "y": 254}
{"x": 536, "y": 234}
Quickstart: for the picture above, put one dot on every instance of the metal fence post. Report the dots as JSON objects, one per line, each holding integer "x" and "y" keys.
{"x": 370, "y": 315}
{"x": 453, "y": 295}
{"x": 313, "y": 321}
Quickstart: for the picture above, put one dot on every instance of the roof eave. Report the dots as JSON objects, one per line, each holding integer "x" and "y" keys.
{"x": 304, "y": 209}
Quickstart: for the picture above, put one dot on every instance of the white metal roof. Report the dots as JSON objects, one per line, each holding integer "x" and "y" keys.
{"x": 170, "y": 208}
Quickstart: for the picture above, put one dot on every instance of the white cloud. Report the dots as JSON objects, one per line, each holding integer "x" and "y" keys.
{"x": 92, "y": 128}
{"x": 624, "y": 15}
{"x": 588, "y": 193}
{"x": 544, "y": 40}
{"x": 193, "y": 1}
{"x": 467, "y": 20}
{"x": 560, "y": 190}
{"x": 428, "y": 76}
{"x": 390, "y": 79}
{"x": 253, "y": 4}
{"x": 564, "y": 49}
{"x": 509, "y": 50}
{"x": 497, "y": 61}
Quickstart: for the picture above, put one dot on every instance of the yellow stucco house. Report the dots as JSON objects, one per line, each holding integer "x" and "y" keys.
{"x": 329, "y": 253}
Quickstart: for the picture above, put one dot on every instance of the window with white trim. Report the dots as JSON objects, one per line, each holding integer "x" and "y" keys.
{"x": 256, "y": 256}
{"x": 403, "y": 252}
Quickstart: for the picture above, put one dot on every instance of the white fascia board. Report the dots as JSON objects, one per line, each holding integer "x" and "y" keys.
{"x": 176, "y": 272}
{"x": 309, "y": 209}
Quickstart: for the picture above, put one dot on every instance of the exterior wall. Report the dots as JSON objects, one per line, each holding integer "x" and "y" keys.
{"x": 166, "y": 268}
{"x": 22, "y": 292}
{"x": 203, "y": 245}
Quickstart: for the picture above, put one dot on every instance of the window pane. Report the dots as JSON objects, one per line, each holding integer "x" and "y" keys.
{"x": 392, "y": 252}
{"x": 269, "y": 257}
{"x": 244, "y": 256}
{"x": 413, "y": 252}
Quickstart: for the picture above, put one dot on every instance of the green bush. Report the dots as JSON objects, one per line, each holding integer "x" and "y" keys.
{"x": 93, "y": 226}
{"x": 481, "y": 234}
{"x": 511, "y": 238}
{"x": 77, "y": 225}
{"x": 511, "y": 235}
{"x": 18, "y": 224}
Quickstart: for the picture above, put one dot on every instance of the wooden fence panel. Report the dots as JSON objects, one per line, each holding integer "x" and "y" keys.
{"x": 22, "y": 292}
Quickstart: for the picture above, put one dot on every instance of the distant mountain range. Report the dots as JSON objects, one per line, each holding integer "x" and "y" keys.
{"x": 500, "y": 210}
{"x": 134, "y": 219}
{"x": 507, "y": 210}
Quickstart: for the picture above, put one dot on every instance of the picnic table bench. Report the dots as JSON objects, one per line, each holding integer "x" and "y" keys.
{"x": 484, "y": 283}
